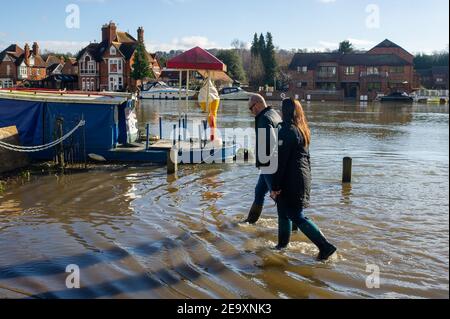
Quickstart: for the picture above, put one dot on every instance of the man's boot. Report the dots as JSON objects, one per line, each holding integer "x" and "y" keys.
{"x": 254, "y": 214}
{"x": 315, "y": 235}
{"x": 284, "y": 233}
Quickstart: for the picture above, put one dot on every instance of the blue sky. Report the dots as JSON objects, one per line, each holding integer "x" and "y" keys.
{"x": 418, "y": 26}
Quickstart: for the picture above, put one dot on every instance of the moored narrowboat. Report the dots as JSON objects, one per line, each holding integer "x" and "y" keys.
{"x": 100, "y": 126}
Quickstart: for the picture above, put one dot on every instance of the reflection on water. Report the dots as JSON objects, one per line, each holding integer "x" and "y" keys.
{"x": 134, "y": 232}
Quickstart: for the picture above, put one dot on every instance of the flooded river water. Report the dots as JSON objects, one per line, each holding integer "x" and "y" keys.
{"x": 135, "y": 233}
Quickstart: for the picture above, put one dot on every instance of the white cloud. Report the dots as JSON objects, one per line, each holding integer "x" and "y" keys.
{"x": 361, "y": 43}
{"x": 357, "y": 43}
{"x": 60, "y": 46}
{"x": 183, "y": 43}
{"x": 328, "y": 45}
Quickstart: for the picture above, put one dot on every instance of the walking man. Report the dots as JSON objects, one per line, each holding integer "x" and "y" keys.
{"x": 267, "y": 120}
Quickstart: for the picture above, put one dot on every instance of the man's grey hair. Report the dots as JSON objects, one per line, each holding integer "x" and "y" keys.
{"x": 257, "y": 98}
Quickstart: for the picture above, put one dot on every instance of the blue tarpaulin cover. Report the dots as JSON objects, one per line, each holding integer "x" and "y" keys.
{"x": 27, "y": 116}
{"x": 36, "y": 122}
{"x": 101, "y": 128}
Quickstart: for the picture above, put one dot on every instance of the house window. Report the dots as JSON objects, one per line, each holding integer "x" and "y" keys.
{"x": 120, "y": 83}
{"x": 92, "y": 85}
{"x": 372, "y": 70}
{"x": 396, "y": 69}
{"x": 88, "y": 66}
{"x": 327, "y": 86}
{"x": 302, "y": 84}
{"x": 115, "y": 66}
{"x": 349, "y": 70}
{"x": 91, "y": 67}
{"x": 112, "y": 51}
{"x": 302, "y": 69}
{"x": 83, "y": 84}
{"x": 327, "y": 71}
{"x": 23, "y": 71}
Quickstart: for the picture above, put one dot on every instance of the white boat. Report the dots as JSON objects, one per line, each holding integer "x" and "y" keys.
{"x": 161, "y": 91}
{"x": 234, "y": 93}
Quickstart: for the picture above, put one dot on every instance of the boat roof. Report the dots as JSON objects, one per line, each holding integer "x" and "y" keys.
{"x": 108, "y": 98}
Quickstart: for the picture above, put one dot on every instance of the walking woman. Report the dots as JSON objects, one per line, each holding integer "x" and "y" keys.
{"x": 292, "y": 182}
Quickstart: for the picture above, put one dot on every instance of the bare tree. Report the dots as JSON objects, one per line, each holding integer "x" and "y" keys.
{"x": 256, "y": 74}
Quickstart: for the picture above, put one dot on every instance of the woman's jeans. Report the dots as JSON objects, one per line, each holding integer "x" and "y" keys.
{"x": 286, "y": 214}
{"x": 264, "y": 187}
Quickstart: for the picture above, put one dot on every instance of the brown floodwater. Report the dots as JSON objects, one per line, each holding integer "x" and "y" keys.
{"x": 136, "y": 233}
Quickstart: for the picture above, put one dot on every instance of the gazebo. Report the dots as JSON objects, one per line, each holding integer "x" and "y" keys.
{"x": 200, "y": 60}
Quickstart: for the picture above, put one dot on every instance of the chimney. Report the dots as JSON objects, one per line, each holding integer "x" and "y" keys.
{"x": 27, "y": 53}
{"x": 109, "y": 32}
{"x": 140, "y": 34}
{"x": 35, "y": 49}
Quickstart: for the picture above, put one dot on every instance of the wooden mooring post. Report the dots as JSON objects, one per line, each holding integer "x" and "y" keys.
{"x": 60, "y": 148}
{"x": 172, "y": 161}
{"x": 347, "y": 170}
{"x": 147, "y": 136}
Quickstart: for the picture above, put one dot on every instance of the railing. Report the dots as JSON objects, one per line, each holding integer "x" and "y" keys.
{"x": 324, "y": 92}
{"x": 324, "y": 75}
{"x": 432, "y": 93}
{"x": 377, "y": 74}
{"x": 88, "y": 72}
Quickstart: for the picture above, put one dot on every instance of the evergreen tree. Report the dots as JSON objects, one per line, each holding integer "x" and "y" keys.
{"x": 234, "y": 63}
{"x": 141, "y": 67}
{"x": 270, "y": 62}
{"x": 427, "y": 61}
{"x": 255, "y": 44}
{"x": 346, "y": 47}
{"x": 261, "y": 45}
{"x": 257, "y": 73}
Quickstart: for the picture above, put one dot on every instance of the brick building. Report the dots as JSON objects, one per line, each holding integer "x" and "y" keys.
{"x": 62, "y": 73}
{"x": 435, "y": 78}
{"x": 384, "y": 69}
{"x": 107, "y": 65}
{"x": 19, "y": 66}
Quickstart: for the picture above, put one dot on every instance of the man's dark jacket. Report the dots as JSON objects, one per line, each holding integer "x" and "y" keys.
{"x": 267, "y": 119}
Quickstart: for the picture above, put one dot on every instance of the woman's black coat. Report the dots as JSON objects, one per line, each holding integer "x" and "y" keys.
{"x": 293, "y": 177}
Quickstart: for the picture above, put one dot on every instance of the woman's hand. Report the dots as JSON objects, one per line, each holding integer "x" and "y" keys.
{"x": 274, "y": 195}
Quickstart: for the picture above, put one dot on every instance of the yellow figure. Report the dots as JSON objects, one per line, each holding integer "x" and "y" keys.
{"x": 209, "y": 101}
